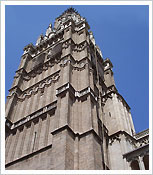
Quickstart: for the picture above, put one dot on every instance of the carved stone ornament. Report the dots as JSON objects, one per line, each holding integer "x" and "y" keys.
{"x": 69, "y": 14}
{"x": 79, "y": 47}
{"x": 115, "y": 137}
{"x": 50, "y": 31}
{"x": 40, "y": 39}
{"x": 41, "y": 85}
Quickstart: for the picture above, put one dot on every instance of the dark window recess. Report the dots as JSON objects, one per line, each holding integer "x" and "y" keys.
{"x": 109, "y": 114}
{"x": 35, "y": 133}
{"x": 55, "y": 50}
{"x": 38, "y": 61}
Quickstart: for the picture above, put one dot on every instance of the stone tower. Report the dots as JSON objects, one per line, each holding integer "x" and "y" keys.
{"x": 63, "y": 110}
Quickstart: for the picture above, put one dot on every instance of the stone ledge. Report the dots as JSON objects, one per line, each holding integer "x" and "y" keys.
{"x": 32, "y": 116}
{"x": 80, "y": 135}
{"x": 78, "y": 94}
{"x": 28, "y": 156}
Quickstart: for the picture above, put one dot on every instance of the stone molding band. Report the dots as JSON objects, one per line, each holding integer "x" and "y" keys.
{"x": 77, "y": 94}
{"x": 132, "y": 140}
{"x": 28, "y": 156}
{"x": 32, "y": 116}
{"x": 77, "y": 134}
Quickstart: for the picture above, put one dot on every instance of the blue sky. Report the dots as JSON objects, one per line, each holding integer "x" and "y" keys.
{"x": 122, "y": 33}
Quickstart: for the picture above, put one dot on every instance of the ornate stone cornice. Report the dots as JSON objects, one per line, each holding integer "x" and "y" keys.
{"x": 76, "y": 65}
{"x": 43, "y": 45}
{"x": 131, "y": 139}
{"x": 114, "y": 137}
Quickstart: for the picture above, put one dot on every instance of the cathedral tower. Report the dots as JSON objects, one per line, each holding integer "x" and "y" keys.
{"x": 63, "y": 110}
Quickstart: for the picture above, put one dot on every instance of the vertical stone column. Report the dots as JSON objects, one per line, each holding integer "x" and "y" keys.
{"x": 141, "y": 163}
{"x": 62, "y": 157}
{"x": 62, "y": 112}
{"x": 11, "y": 101}
{"x": 76, "y": 153}
{"x": 87, "y": 74}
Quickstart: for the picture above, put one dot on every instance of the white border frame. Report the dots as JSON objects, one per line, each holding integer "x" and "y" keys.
{"x": 3, "y": 3}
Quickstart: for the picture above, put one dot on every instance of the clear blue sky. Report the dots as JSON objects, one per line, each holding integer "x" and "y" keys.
{"x": 122, "y": 33}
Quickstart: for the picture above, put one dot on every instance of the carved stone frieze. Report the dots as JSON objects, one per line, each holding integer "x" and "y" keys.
{"x": 143, "y": 141}
{"x": 41, "y": 85}
{"x": 79, "y": 66}
{"x": 34, "y": 89}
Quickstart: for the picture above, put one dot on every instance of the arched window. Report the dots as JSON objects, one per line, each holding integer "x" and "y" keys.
{"x": 135, "y": 165}
{"x": 146, "y": 161}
